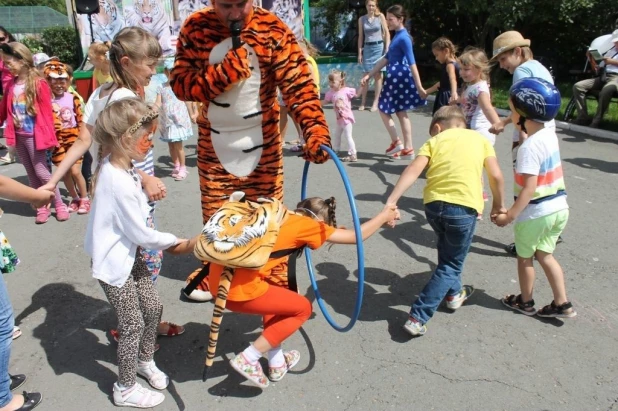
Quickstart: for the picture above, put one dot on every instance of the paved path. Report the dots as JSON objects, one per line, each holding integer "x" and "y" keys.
{"x": 482, "y": 357}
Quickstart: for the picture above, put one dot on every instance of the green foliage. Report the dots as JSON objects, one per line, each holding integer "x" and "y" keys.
{"x": 58, "y": 5}
{"x": 559, "y": 29}
{"x": 35, "y": 45}
{"x": 62, "y": 42}
{"x": 329, "y": 18}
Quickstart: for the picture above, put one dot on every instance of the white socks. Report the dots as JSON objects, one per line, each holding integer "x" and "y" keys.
{"x": 252, "y": 354}
{"x": 276, "y": 358}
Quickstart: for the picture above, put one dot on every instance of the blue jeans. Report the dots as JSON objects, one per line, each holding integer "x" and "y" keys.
{"x": 454, "y": 225}
{"x": 7, "y": 321}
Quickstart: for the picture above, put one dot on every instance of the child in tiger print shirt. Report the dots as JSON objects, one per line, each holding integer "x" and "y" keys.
{"x": 67, "y": 109}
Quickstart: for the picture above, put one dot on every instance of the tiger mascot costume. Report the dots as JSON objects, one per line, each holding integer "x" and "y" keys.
{"x": 239, "y": 144}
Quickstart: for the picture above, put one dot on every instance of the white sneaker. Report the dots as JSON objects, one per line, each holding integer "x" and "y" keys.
{"x": 136, "y": 397}
{"x": 198, "y": 295}
{"x": 156, "y": 378}
{"x": 414, "y": 328}
{"x": 457, "y": 301}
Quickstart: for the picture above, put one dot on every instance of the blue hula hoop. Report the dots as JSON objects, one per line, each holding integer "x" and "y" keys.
{"x": 359, "y": 247}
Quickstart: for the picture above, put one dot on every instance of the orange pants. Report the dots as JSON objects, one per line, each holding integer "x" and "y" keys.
{"x": 283, "y": 312}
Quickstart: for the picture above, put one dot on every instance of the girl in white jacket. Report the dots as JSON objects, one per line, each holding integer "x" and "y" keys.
{"x": 116, "y": 231}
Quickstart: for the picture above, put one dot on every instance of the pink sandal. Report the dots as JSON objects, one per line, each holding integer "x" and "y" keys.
{"x": 182, "y": 174}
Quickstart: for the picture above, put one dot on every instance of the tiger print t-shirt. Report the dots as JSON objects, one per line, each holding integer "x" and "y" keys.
{"x": 297, "y": 231}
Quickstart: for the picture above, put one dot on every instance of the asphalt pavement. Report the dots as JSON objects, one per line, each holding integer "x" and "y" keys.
{"x": 482, "y": 357}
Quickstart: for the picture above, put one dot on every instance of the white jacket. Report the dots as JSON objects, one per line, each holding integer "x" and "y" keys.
{"x": 117, "y": 225}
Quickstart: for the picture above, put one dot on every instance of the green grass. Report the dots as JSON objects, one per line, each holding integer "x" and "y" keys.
{"x": 499, "y": 94}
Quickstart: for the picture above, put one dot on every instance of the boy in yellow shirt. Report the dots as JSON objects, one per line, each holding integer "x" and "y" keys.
{"x": 453, "y": 198}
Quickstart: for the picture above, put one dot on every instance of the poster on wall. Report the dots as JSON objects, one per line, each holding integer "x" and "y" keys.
{"x": 290, "y": 11}
{"x": 163, "y": 18}
{"x": 154, "y": 16}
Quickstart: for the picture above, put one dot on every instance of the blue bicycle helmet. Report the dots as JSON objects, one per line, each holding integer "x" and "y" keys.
{"x": 535, "y": 99}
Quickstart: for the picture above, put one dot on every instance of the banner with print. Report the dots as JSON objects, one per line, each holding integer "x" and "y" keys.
{"x": 155, "y": 16}
{"x": 163, "y": 18}
{"x": 290, "y": 11}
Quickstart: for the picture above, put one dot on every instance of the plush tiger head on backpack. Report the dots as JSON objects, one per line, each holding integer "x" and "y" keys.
{"x": 241, "y": 233}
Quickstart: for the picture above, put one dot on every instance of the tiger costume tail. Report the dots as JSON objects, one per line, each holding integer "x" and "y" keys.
{"x": 217, "y": 316}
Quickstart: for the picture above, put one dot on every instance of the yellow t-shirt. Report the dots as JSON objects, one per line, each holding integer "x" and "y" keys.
{"x": 456, "y": 160}
{"x": 316, "y": 72}
{"x": 101, "y": 78}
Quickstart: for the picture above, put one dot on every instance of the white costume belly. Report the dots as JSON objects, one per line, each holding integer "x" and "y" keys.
{"x": 237, "y": 130}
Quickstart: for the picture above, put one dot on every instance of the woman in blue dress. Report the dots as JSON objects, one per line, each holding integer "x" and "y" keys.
{"x": 373, "y": 41}
{"x": 402, "y": 88}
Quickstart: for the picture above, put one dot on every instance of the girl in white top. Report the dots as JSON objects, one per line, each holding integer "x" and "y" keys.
{"x": 116, "y": 231}
{"x": 133, "y": 58}
{"x": 475, "y": 99}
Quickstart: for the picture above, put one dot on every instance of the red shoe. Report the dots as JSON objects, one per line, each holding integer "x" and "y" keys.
{"x": 404, "y": 155}
{"x": 74, "y": 206}
{"x": 395, "y": 147}
{"x": 116, "y": 335}
{"x": 62, "y": 212}
{"x": 84, "y": 206}
{"x": 42, "y": 215}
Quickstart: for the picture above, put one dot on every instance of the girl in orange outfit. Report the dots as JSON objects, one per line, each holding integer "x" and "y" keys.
{"x": 311, "y": 224}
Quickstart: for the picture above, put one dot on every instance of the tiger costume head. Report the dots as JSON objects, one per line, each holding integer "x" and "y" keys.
{"x": 55, "y": 69}
{"x": 241, "y": 233}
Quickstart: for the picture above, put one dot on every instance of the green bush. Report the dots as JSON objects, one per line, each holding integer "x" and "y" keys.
{"x": 35, "y": 45}
{"x": 62, "y": 42}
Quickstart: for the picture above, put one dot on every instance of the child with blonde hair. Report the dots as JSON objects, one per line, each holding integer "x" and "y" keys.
{"x": 27, "y": 109}
{"x": 115, "y": 235}
{"x": 341, "y": 97}
{"x": 475, "y": 99}
{"x": 454, "y": 158}
{"x": 444, "y": 51}
{"x": 98, "y": 54}
{"x": 176, "y": 118}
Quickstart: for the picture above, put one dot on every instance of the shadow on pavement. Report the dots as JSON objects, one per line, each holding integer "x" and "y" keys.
{"x": 594, "y": 164}
{"x": 68, "y": 345}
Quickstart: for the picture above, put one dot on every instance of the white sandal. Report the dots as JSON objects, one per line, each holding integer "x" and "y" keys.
{"x": 137, "y": 397}
{"x": 156, "y": 378}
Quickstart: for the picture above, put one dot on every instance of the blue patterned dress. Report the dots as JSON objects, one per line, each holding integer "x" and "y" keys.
{"x": 399, "y": 92}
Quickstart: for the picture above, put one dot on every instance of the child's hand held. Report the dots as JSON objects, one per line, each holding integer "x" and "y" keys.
{"x": 44, "y": 197}
{"x": 154, "y": 188}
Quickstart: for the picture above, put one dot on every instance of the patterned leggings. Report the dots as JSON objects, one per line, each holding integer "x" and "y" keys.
{"x": 139, "y": 311}
{"x": 35, "y": 162}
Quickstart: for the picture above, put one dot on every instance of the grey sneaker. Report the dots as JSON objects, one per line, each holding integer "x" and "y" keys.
{"x": 456, "y": 301}
{"x": 414, "y": 328}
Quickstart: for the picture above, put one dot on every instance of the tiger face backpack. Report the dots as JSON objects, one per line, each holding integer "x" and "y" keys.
{"x": 241, "y": 234}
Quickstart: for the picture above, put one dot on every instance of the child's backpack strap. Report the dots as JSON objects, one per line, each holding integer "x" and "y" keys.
{"x": 292, "y": 283}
